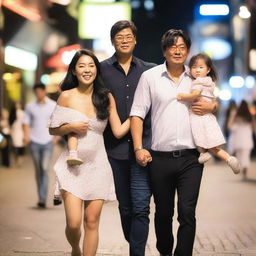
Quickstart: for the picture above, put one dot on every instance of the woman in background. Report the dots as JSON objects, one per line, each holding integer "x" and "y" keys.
{"x": 16, "y": 121}
{"x": 241, "y": 127}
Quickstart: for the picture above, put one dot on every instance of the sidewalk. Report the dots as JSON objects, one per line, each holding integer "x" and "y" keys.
{"x": 226, "y": 217}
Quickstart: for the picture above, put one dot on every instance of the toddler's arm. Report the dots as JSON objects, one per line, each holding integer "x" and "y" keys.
{"x": 189, "y": 96}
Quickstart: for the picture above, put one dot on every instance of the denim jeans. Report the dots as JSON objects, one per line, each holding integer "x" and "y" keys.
{"x": 41, "y": 154}
{"x": 133, "y": 194}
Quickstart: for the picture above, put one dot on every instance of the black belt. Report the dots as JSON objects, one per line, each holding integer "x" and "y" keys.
{"x": 175, "y": 153}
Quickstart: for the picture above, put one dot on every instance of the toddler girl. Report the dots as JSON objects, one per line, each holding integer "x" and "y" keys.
{"x": 205, "y": 129}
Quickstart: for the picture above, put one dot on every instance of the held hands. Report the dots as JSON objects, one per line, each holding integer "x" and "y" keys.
{"x": 143, "y": 157}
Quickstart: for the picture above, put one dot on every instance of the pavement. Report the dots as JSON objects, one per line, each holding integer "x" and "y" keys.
{"x": 226, "y": 216}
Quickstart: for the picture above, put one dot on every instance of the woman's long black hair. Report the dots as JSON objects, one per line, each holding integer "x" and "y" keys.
{"x": 100, "y": 97}
{"x": 243, "y": 112}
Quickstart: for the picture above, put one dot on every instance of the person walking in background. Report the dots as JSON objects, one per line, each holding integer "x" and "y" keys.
{"x": 230, "y": 112}
{"x": 36, "y": 135}
{"x": 85, "y": 102}
{"x": 121, "y": 74}
{"x": 17, "y": 135}
{"x": 206, "y": 131}
{"x": 174, "y": 167}
{"x": 242, "y": 125}
{"x": 5, "y": 131}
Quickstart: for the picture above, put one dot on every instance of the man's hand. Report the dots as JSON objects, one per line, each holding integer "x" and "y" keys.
{"x": 79, "y": 128}
{"x": 203, "y": 107}
{"x": 143, "y": 157}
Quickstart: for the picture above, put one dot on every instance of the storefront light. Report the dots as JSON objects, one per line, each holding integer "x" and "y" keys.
{"x": 20, "y": 58}
{"x": 249, "y": 82}
{"x": 225, "y": 94}
{"x": 214, "y": 9}
{"x": 236, "y": 81}
{"x": 244, "y": 13}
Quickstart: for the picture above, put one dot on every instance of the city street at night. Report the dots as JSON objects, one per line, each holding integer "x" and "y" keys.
{"x": 225, "y": 217}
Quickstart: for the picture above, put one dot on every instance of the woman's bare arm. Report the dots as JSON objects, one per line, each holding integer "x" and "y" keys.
{"x": 119, "y": 129}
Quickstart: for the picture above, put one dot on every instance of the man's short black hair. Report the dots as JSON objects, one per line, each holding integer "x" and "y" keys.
{"x": 120, "y": 25}
{"x": 39, "y": 86}
{"x": 171, "y": 36}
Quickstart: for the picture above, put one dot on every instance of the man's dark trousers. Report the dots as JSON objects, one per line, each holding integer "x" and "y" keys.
{"x": 170, "y": 172}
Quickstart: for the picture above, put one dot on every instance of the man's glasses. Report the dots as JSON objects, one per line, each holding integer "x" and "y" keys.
{"x": 182, "y": 48}
{"x": 127, "y": 38}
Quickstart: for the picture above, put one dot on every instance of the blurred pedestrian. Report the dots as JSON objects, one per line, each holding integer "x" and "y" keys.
{"x": 206, "y": 131}
{"x": 121, "y": 74}
{"x": 17, "y": 134}
{"x": 5, "y": 131}
{"x": 84, "y": 102}
{"x": 230, "y": 113}
{"x": 35, "y": 125}
{"x": 242, "y": 125}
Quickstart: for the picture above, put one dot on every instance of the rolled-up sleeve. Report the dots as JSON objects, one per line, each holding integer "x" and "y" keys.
{"x": 142, "y": 99}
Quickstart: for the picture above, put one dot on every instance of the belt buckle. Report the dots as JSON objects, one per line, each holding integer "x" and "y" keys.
{"x": 176, "y": 153}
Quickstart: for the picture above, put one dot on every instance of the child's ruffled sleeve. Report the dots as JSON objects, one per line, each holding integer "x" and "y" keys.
{"x": 197, "y": 85}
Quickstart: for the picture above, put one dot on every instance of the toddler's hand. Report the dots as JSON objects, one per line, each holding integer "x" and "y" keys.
{"x": 179, "y": 96}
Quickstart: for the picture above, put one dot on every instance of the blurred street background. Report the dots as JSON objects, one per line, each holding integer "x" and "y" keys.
{"x": 38, "y": 38}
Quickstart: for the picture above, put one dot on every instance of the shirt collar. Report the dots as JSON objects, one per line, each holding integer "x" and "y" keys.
{"x": 165, "y": 73}
{"x": 46, "y": 100}
{"x": 113, "y": 60}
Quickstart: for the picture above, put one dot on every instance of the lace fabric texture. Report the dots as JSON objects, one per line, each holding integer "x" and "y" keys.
{"x": 93, "y": 179}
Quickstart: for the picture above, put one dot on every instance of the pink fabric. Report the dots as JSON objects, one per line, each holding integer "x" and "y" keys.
{"x": 205, "y": 129}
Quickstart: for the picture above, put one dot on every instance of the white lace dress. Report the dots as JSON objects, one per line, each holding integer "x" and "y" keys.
{"x": 93, "y": 179}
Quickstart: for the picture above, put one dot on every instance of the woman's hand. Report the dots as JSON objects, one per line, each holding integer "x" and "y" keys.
{"x": 79, "y": 128}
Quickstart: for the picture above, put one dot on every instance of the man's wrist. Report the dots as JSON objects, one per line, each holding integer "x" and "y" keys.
{"x": 138, "y": 148}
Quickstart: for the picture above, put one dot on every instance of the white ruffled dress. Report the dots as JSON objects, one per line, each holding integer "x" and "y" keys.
{"x": 205, "y": 129}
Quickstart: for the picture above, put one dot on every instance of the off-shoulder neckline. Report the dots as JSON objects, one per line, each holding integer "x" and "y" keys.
{"x": 77, "y": 112}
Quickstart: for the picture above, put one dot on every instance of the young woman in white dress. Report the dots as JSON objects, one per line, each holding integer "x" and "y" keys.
{"x": 83, "y": 108}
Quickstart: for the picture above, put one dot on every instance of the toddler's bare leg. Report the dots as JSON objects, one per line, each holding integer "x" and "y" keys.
{"x": 232, "y": 161}
{"x": 204, "y": 155}
{"x": 73, "y": 158}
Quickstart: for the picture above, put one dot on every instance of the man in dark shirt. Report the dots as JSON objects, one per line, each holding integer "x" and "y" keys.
{"x": 121, "y": 74}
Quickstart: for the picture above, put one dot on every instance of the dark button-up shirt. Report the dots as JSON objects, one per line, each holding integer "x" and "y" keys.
{"x": 123, "y": 87}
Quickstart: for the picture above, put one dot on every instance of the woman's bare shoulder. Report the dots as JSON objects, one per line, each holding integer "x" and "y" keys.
{"x": 64, "y": 98}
